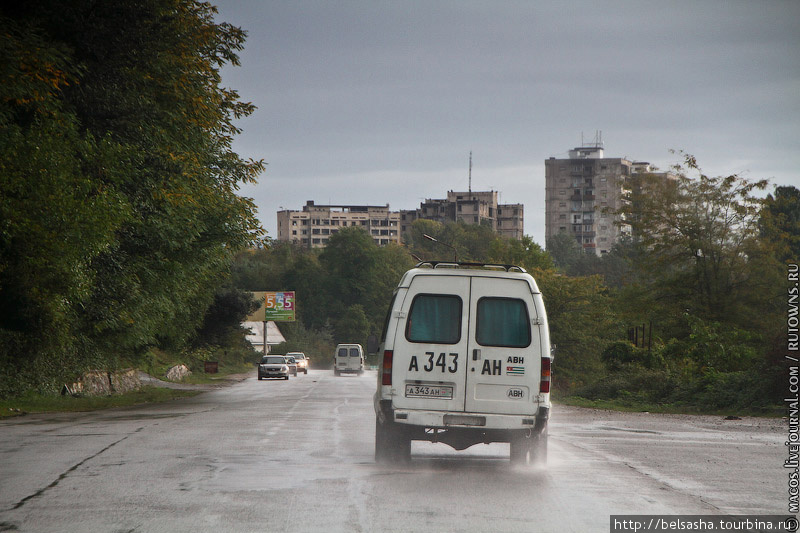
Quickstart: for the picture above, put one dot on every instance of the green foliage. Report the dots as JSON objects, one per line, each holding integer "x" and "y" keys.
{"x": 701, "y": 239}
{"x": 565, "y": 251}
{"x": 344, "y": 288}
{"x": 316, "y": 344}
{"x": 223, "y": 318}
{"x": 352, "y": 325}
{"x": 643, "y": 388}
{"x": 779, "y": 224}
{"x": 703, "y": 268}
{"x": 49, "y": 403}
{"x": 581, "y": 324}
{"x": 523, "y": 252}
{"x": 620, "y": 354}
{"x": 721, "y": 348}
{"x": 616, "y": 267}
{"x": 118, "y": 205}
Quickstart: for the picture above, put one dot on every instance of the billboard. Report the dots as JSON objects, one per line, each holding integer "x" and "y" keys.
{"x": 278, "y": 306}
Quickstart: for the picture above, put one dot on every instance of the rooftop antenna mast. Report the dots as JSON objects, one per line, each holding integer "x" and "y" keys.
{"x": 470, "y": 171}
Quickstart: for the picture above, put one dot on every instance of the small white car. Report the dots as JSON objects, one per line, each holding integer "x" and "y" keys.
{"x": 273, "y": 366}
{"x": 464, "y": 358}
{"x": 348, "y": 359}
{"x": 290, "y": 360}
{"x": 301, "y": 360}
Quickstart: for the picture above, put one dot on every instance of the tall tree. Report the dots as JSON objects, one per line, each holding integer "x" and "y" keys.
{"x": 140, "y": 122}
{"x": 780, "y": 222}
{"x": 700, "y": 234}
{"x": 56, "y": 216}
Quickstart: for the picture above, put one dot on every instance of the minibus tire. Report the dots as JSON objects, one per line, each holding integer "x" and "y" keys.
{"x": 539, "y": 451}
{"x": 521, "y": 450}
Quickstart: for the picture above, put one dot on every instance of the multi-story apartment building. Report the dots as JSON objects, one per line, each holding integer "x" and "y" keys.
{"x": 471, "y": 207}
{"x": 510, "y": 220}
{"x": 582, "y": 193}
{"x": 313, "y": 226}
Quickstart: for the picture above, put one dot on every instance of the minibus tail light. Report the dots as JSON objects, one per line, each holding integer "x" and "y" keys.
{"x": 386, "y": 377}
{"x": 544, "y": 384}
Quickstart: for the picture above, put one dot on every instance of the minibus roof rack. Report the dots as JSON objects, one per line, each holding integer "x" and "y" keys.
{"x": 453, "y": 264}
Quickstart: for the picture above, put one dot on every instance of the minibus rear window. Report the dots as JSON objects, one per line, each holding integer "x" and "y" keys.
{"x": 503, "y": 322}
{"x": 434, "y": 319}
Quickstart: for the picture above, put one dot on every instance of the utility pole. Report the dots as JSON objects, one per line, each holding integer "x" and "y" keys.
{"x": 470, "y": 171}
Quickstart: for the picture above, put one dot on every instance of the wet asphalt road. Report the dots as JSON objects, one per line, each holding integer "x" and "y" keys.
{"x": 297, "y": 455}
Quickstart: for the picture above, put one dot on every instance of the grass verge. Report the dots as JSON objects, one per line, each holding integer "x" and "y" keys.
{"x": 634, "y": 406}
{"x": 36, "y": 403}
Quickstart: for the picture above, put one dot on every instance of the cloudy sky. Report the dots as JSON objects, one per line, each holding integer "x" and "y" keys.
{"x": 375, "y": 102}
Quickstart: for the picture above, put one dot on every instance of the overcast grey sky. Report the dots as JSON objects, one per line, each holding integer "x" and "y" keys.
{"x": 375, "y": 102}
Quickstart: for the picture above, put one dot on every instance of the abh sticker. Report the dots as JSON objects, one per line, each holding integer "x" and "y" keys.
{"x": 514, "y": 367}
{"x": 515, "y": 394}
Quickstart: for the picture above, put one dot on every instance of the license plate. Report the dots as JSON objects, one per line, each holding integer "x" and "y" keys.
{"x": 429, "y": 391}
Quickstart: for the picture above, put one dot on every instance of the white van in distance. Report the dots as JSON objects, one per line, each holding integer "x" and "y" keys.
{"x": 348, "y": 358}
{"x": 464, "y": 359}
